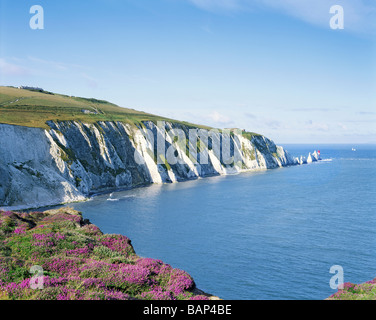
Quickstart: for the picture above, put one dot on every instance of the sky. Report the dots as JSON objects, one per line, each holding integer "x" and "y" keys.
{"x": 268, "y": 66}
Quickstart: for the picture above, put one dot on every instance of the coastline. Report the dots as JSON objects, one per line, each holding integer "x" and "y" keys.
{"x": 111, "y": 190}
{"x": 75, "y": 160}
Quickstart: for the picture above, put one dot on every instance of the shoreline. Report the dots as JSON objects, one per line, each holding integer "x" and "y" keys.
{"x": 111, "y": 190}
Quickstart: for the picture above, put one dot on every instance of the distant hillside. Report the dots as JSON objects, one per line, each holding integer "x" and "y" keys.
{"x": 31, "y": 108}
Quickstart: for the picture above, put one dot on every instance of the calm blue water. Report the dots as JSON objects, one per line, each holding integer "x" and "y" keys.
{"x": 265, "y": 235}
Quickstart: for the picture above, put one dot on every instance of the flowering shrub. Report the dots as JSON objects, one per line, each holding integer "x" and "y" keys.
{"x": 153, "y": 265}
{"x": 179, "y": 282}
{"x": 351, "y": 291}
{"x": 117, "y": 243}
{"x": 91, "y": 229}
{"x": 20, "y": 230}
{"x": 79, "y": 262}
{"x": 64, "y": 266}
{"x": 157, "y": 294}
{"x": 79, "y": 252}
{"x": 61, "y": 217}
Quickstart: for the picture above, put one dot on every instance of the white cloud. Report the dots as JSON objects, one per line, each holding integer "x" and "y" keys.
{"x": 63, "y": 69}
{"x": 316, "y": 126}
{"x": 250, "y": 115}
{"x": 219, "y": 118}
{"x": 11, "y": 69}
{"x": 61, "y": 66}
{"x": 273, "y": 124}
{"x": 217, "y": 4}
{"x": 91, "y": 82}
{"x": 360, "y": 15}
{"x": 342, "y": 126}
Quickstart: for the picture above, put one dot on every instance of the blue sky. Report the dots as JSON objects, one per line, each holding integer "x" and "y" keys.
{"x": 273, "y": 67}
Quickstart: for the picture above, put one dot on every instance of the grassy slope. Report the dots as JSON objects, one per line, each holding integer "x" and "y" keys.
{"x": 80, "y": 262}
{"x": 32, "y": 109}
{"x": 351, "y": 291}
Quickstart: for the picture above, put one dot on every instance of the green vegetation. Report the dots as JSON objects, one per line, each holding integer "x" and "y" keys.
{"x": 166, "y": 165}
{"x": 78, "y": 181}
{"x": 249, "y": 135}
{"x": 351, "y": 291}
{"x": 78, "y": 262}
{"x": 250, "y": 154}
{"x": 32, "y": 108}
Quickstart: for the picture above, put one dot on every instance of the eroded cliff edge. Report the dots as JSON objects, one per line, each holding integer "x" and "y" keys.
{"x": 72, "y": 160}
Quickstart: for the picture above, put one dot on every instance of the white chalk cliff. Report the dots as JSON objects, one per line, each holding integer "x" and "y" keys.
{"x": 73, "y": 160}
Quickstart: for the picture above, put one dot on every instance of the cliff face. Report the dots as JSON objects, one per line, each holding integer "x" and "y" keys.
{"x": 72, "y": 160}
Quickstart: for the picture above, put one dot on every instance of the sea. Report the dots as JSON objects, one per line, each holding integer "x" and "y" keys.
{"x": 267, "y": 235}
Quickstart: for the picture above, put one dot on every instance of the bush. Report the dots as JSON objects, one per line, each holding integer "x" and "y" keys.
{"x": 79, "y": 262}
{"x": 103, "y": 252}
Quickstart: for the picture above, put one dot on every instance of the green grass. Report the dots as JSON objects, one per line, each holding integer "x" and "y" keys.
{"x": 33, "y": 109}
{"x": 249, "y": 135}
{"x": 351, "y": 291}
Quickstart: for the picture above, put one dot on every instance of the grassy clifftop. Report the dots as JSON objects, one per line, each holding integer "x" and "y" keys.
{"x": 33, "y": 108}
{"x": 351, "y": 291}
{"x": 80, "y": 262}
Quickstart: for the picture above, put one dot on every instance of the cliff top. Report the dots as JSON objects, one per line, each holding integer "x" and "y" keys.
{"x": 352, "y": 291}
{"x": 33, "y": 108}
{"x": 79, "y": 262}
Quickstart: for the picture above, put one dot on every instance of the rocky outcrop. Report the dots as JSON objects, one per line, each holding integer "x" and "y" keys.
{"x": 73, "y": 160}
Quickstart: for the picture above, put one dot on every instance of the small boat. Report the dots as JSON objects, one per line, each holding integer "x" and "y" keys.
{"x": 353, "y": 149}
